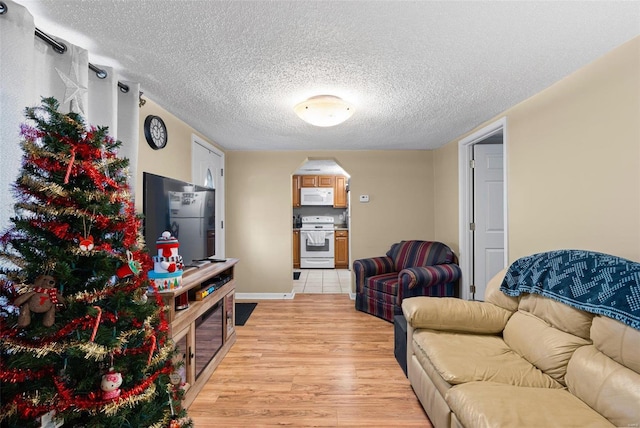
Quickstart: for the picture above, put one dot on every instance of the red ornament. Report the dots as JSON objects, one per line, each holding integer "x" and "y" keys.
{"x": 132, "y": 267}
{"x": 86, "y": 244}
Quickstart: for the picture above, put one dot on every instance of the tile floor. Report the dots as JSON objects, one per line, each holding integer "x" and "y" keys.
{"x": 323, "y": 281}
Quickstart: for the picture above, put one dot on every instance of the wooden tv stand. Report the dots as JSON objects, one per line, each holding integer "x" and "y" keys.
{"x": 212, "y": 318}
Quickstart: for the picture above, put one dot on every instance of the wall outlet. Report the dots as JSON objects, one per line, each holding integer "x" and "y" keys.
{"x": 364, "y": 198}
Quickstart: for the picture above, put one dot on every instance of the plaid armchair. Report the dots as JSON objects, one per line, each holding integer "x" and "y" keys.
{"x": 410, "y": 268}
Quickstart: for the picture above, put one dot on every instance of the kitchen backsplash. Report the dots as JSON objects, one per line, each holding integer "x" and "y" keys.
{"x": 339, "y": 214}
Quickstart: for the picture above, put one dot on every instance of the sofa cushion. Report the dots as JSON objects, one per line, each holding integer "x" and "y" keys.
{"x": 441, "y": 385}
{"x": 542, "y": 345}
{"x": 618, "y": 341}
{"x": 429, "y": 276}
{"x": 489, "y": 404}
{"x": 556, "y": 314}
{"x": 419, "y": 253}
{"x": 610, "y": 388}
{"x": 386, "y": 283}
{"x": 448, "y": 313}
{"x": 492, "y": 360}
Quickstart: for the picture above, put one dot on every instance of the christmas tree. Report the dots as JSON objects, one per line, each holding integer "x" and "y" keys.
{"x": 79, "y": 339}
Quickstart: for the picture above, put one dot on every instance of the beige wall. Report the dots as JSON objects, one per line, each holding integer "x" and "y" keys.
{"x": 446, "y": 202}
{"x": 259, "y": 210}
{"x": 175, "y": 159}
{"x": 573, "y": 161}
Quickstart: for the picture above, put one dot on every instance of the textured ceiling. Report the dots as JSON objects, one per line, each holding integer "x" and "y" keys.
{"x": 419, "y": 73}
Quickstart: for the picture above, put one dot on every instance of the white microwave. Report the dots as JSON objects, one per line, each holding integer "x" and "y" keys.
{"x": 316, "y": 196}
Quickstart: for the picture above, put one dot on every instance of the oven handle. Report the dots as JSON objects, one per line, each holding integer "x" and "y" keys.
{"x": 328, "y": 232}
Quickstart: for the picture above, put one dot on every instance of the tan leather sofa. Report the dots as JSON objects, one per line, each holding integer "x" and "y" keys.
{"x": 525, "y": 361}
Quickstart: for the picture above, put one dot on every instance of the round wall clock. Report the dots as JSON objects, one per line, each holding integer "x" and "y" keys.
{"x": 155, "y": 132}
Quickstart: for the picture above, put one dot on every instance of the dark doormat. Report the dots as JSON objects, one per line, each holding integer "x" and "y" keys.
{"x": 243, "y": 312}
{"x": 296, "y": 275}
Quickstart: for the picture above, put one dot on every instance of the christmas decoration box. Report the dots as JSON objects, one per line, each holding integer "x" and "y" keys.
{"x": 167, "y": 265}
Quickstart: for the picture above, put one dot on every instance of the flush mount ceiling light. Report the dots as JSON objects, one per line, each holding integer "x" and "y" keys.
{"x": 324, "y": 110}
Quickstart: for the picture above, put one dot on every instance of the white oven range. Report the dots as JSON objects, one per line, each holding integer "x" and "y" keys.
{"x": 317, "y": 242}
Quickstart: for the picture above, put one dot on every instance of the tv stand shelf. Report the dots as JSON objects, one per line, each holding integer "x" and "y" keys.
{"x": 210, "y": 320}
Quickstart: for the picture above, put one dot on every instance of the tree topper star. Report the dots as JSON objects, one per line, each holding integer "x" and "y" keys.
{"x": 74, "y": 91}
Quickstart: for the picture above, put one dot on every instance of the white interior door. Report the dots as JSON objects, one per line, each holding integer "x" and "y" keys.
{"x": 208, "y": 170}
{"x": 488, "y": 213}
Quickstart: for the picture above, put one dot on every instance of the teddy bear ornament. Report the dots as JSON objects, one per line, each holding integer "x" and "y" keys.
{"x": 42, "y": 298}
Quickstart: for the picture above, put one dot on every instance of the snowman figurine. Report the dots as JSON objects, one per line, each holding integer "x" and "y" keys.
{"x": 111, "y": 385}
{"x": 167, "y": 246}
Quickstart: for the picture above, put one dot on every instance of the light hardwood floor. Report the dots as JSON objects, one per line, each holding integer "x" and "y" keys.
{"x": 310, "y": 361}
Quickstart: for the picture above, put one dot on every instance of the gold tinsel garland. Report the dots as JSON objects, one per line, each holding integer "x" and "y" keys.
{"x": 39, "y": 351}
{"x": 53, "y": 211}
{"x": 109, "y": 409}
{"x": 8, "y": 411}
{"x": 36, "y": 151}
{"x": 163, "y": 354}
{"x": 91, "y": 349}
{"x": 112, "y": 409}
{"x": 48, "y": 188}
{"x": 165, "y": 422}
{"x": 56, "y": 190}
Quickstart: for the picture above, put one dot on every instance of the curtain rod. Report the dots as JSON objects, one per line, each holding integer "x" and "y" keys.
{"x": 62, "y": 48}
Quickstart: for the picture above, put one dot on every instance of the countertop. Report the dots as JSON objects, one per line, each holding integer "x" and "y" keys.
{"x": 335, "y": 228}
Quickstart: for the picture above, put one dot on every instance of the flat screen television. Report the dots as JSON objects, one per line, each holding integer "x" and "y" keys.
{"x": 186, "y": 210}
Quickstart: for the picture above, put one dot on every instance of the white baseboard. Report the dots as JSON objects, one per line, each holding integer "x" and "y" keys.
{"x": 265, "y": 296}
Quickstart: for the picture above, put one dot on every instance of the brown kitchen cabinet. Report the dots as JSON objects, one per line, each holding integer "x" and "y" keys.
{"x": 338, "y": 182}
{"x": 325, "y": 180}
{"x": 340, "y": 192}
{"x": 316, "y": 181}
{"x": 296, "y": 249}
{"x": 309, "y": 181}
{"x": 295, "y": 189}
{"x": 341, "y": 249}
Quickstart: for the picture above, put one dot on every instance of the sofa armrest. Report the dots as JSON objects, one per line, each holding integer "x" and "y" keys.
{"x": 452, "y": 314}
{"x": 365, "y": 268}
{"x": 427, "y": 276}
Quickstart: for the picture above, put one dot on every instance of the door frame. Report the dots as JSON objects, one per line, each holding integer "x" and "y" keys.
{"x": 465, "y": 195}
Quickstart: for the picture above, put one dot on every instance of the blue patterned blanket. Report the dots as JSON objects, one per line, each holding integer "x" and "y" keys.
{"x": 593, "y": 282}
